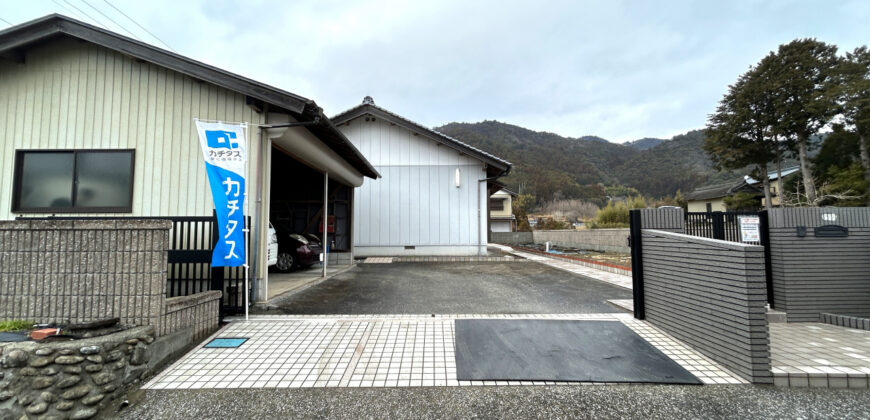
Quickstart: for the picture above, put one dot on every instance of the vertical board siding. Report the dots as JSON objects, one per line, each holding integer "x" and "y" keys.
{"x": 416, "y": 201}
{"x": 815, "y": 275}
{"x": 72, "y": 95}
{"x": 710, "y": 294}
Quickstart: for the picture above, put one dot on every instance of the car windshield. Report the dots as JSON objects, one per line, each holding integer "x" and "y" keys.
{"x": 299, "y": 238}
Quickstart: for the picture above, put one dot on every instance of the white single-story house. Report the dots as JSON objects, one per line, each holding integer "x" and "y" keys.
{"x": 433, "y": 194}
{"x": 94, "y": 123}
{"x": 501, "y": 214}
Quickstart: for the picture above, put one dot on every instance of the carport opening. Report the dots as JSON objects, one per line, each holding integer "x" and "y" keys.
{"x": 296, "y": 213}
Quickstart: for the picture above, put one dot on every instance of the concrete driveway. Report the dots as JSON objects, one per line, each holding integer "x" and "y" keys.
{"x": 453, "y": 288}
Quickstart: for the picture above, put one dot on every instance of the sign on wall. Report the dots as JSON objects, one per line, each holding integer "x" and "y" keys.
{"x": 750, "y": 230}
{"x": 224, "y": 148}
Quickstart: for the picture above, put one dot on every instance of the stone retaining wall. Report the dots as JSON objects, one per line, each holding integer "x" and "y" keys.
{"x": 75, "y": 271}
{"x": 506, "y": 258}
{"x": 605, "y": 240}
{"x": 73, "y": 379}
{"x": 200, "y": 311}
{"x": 598, "y": 265}
{"x": 512, "y": 238}
{"x": 711, "y": 295}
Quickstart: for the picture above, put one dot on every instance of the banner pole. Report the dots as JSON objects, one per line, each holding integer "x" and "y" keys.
{"x": 247, "y": 229}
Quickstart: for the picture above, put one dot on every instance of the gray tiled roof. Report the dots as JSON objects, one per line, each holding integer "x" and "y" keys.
{"x": 15, "y": 40}
{"x": 721, "y": 190}
{"x": 368, "y": 107}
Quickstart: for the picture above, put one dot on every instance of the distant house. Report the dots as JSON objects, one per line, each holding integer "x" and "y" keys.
{"x": 712, "y": 197}
{"x": 501, "y": 215}
{"x": 774, "y": 185}
{"x": 433, "y": 193}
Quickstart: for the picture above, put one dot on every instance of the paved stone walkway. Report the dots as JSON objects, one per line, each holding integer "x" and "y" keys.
{"x": 819, "y": 355}
{"x": 370, "y": 351}
{"x": 612, "y": 278}
{"x": 378, "y": 260}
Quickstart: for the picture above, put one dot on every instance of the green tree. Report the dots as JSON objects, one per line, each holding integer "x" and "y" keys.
{"x": 523, "y": 203}
{"x": 615, "y": 191}
{"x": 676, "y": 201}
{"x": 739, "y": 132}
{"x": 839, "y": 170}
{"x": 806, "y": 71}
{"x": 855, "y": 96}
{"x": 548, "y": 223}
{"x": 611, "y": 216}
{"x": 637, "y": 203}
{"x": 521, "y": 206}
{"x": 742, "y": 202}
{"x": 681, "y": 201}
{"x": 846, "y": 187}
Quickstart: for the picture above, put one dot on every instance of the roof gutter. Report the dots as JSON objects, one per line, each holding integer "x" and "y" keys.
{"x": 315, "y": 121}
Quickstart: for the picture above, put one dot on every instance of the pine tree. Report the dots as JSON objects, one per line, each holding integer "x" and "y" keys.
{"x": 806, "y": 72}
{"x": 739, "y": 133}
{"x": 854, "y": 92}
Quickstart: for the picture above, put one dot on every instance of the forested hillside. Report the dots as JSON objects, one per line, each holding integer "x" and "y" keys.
{"x": 548, "y": 165}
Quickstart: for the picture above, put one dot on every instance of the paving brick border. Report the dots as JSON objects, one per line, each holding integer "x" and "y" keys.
{"x": 845, "y": 321}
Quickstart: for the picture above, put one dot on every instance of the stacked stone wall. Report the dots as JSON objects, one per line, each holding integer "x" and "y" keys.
{"x": 74, "y": 379}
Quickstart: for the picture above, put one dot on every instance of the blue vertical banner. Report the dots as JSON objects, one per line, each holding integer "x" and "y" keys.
{"x": 224, "y": 148}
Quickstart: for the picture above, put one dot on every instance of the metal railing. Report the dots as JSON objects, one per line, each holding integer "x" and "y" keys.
{"x": 717, "y": 225}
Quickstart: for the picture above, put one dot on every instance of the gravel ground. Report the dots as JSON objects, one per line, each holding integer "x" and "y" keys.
{"x": 598, "y": 402}
{"x": 453, "y": 288}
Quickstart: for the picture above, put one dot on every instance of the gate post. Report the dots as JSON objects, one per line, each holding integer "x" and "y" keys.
{"x": 217, "y": 273}
{"x": 636, "y": 243}
{"x": 764, "y": 226}
{"x": 718, "y": 225}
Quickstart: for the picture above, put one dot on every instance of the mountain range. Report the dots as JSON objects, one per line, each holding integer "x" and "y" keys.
{"x": 551, "y": 166}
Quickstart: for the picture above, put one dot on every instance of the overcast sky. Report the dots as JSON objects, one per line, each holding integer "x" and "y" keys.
{"x": 621, "y": 70}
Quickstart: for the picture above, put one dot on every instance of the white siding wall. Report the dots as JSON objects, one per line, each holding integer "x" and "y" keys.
{"x": 416, "y": 202}
{"x": 74, "y": 95}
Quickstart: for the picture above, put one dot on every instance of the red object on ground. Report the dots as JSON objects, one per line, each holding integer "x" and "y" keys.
{"x": 45, "y": 332}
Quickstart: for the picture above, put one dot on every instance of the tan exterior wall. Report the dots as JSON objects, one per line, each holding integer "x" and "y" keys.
{"x": 507, "y": 212}
{"x": 718, "y": 204}
{"x": 75, "y": 95}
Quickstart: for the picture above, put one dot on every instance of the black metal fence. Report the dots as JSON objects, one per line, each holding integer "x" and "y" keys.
{"x": 191, "y": 242}
{"x": 717, "y": 225}
{"x": 726, "y": 226}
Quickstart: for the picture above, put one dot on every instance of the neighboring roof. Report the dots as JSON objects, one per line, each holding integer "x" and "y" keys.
{"x": 506, "y": 191}
{"x": 709, "y": 192}
{"x": 368, "y": 107}
{"x": 772, "y": 175}
{"x": 14, "y": 40}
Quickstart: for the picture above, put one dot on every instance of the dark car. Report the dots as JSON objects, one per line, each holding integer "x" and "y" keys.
{"x": 294, "y": 252}
{"x": 314, "y": 242}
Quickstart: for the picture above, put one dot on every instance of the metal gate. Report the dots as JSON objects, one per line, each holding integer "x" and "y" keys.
{"x": 725, "y": 225}
{"x": 191, "y": 242}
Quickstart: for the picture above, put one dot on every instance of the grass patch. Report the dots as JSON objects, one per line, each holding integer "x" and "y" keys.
{"x": 15, "y": 325}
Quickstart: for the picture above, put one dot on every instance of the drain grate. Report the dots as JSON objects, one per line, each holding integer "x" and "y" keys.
{"x": 225, "y": 343}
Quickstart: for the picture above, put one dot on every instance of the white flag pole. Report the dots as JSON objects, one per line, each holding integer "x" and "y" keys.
{"x": 247, "y": 223}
